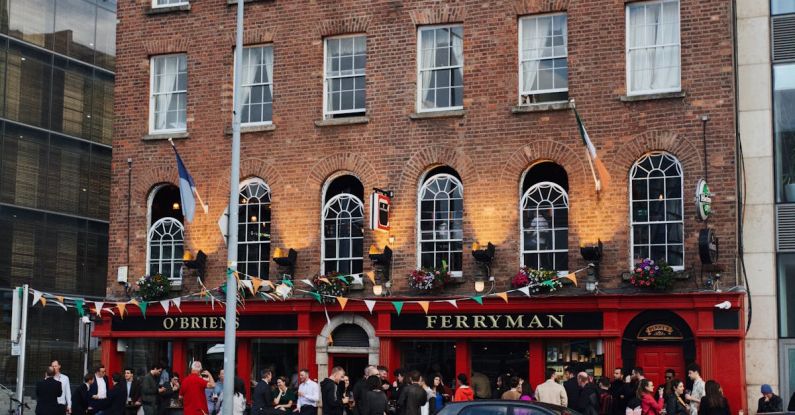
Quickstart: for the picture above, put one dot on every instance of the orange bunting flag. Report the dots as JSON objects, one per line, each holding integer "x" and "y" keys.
{"x": 43, "y": 301}
{"x": 324, "y": 279}
{"x": 59, "y": 298}
{"x": 122, "y": 308}
{"x": 572, "y": 277}
{"x": 133, "y": 301}
{"x": 268, "y": 283}
{"x": 343, "y": 301}
{"x": 203, "y": 293}
{"x": 330, "y": 340}
{"x": 425, "y": 305}
{"x": 371, "y": 276}
{"x": 255, "y": 283}
{"x": 503, "y": 295}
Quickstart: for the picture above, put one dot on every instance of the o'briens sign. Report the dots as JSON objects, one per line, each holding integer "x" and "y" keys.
{"x": 499, "y": 321}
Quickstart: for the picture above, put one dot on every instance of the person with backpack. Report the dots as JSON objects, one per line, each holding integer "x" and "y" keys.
{"x": 605, "y": 397}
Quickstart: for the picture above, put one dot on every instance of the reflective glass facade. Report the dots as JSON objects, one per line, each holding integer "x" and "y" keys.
{"x": 57, "y": 62}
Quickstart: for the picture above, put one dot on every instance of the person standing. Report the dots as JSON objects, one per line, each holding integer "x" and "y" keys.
{"x": 151, "y": 389}
{"x": 769, "y": 402}
{"x": 464, "y": 392}
{"x": 308, "y": 394}
{"x": 515, "y": 392}
{"x": 262, "y": 397}
{"x": 617, "y": 391}
{"x": 570, "y": 384}
{"x": 694, "y": 373}
{"x": 329, "y": 390}
{"x": 375, "y": 401}
{"x": 670, "y": 374}
{"x": 551, "y": 391}
{"x": 81, "y": 402}
{"x": 413, "y": 397}
{"x": 588, "y": 399}
{"x": 99, "y": 389}
{"x": 47, "y": 393}
{"x": 171, "y": 393}
{"x": 192, "y": 390}
{"x": 713, "y": 402}
{"x": 65, "y": 400}
{"x": 430, "y": 398}
{"x": 605, "y": 397}
{"x": 676, "y": 404}
{"x": 216, "y": 394}
{"x": 360, "y": 390}
{"x": 481, "y": 385}
{"x": 648, "y": 405}
{"x": 133, "y": 392}
{"x": 442, "y": 394}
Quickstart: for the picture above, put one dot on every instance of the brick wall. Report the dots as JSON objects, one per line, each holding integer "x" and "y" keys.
{"x": 490, "y": 147}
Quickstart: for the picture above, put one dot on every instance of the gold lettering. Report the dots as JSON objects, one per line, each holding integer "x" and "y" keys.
{"x": 194, "y": 322}
{"x": 168, "y": 323}
{"x": 430, "y": 322}
{"x": 494, "y": 320}
{"x": 461, "y": 322}
{"x": 214, "y": 323}
{"x": 535, "y": 322}
{"x": 558, "y": 322}
{"x": 237, "y": 322}
{"x": 479, "y": 322}
{"x": 183, "y": 323}
{"x": 514, "y": 322}
{"x": 447, "y": 322}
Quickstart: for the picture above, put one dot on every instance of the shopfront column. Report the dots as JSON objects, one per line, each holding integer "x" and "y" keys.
{"x": 178, "y": 359}
{"x": 243, "y": 355}
{"x": 306, "y": 356}
{"x": 111, "y": 358}
{"x": 462, "y": 358}
{"x": 611, "y": 354}
{"x": 537, "y": 362}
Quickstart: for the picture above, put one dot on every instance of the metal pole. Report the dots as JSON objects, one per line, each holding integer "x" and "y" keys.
{"x": 231, "y": 255}
{"x": 23, "y": 335}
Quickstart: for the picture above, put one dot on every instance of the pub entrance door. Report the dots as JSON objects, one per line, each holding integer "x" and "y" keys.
{"x": 353, "y": 364}
{"x": 656, "y": 358}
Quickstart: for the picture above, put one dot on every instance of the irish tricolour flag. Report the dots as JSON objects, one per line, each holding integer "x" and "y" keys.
{"x": 601, "y": 177}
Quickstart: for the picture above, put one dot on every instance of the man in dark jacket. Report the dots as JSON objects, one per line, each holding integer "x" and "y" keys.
{"x": 588, "y": 399}
{"x": 81, "y": 398}
{"x": 570, "y": 384}
{"x": 360, "y": 390}
{"x": 769, "y": 402}
{"x": 262, "y": 397}
{"x": 332, "y": 404}
{"x": 412, "y": 397}
{"x": 100, "y": 388}
{"x": 617, "y": 391}
{"x": 132, "y": 395}
{"x": 150, "y": 389}
{"x": 47, "y": 393}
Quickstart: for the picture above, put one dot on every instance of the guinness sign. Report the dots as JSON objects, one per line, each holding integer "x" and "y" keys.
{"x": 492, "y": 322}
{"x": 270, "y": 322}
{"x": 659, "y": 331}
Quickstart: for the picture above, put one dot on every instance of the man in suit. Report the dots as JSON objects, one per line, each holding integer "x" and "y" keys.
{"x": 99, "y": 389}
{"x": 132, "y": 396}
{"x": 571, "y": 386}
{"x": 151, "y": 388}
{"x": 262, "y": 397}
{"x": 47, "y": 393}
{"x": 81, "y": 400}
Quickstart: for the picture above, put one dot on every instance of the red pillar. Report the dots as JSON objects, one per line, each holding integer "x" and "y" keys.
{"x": 610, "y": 356}
{"x": 462, "y": 359}
{"x": 179, "y": 360}
{"x": 386, "y": 355}
{"x": 537, "y": 362}
{"x": 306, "y": 356}
{"x": 243, "y": 368}
{"x": 110, "y": 357}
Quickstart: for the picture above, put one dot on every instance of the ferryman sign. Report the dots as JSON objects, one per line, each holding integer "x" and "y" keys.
{"x": 499, "y": 321}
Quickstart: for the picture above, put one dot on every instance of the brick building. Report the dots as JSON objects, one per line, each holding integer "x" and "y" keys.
{"x": 466, "y": 101}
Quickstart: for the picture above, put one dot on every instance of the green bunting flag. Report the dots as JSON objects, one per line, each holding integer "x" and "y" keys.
{"x": 548, "y": 283}
{"x": 343, "y": 279}
{"x": 79, "y": 307}
{"x": 478, "y": 299}
{"x": 142, "y": 305}
{"x": 398, "y": 306}
{"x": 287, "y": 282}
{"x": 315, "y": 295}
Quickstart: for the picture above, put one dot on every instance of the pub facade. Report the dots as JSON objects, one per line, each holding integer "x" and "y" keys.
{"x": 441, "y": 135}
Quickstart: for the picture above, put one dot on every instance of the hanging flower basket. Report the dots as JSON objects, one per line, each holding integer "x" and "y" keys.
{"x": 652, "y": 275}
{"x": 538, "y": 280}
{"x": 429, "y": 279}
{"x": 330, "y": 286}
{"x": 153, "y": 287}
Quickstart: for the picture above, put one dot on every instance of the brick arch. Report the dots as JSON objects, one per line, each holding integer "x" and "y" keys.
{"x": 350, "y": 162}
{"x": 437, "y": 15}
{"x": 428, "y": 157}
{"x": 254, "y": 167}
{"x": 333, "y": 27}
{"x": 523, "y": 7}
{"x": 554, "y": 151}
{"x": 150, "y": 178}
{"x": 684, "y": 150}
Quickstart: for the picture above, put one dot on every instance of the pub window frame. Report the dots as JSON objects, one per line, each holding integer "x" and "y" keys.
{"x": 426, "y": 183}
{"x": 524, "y": 204}
{"x": 354, "y": 206}
{"x": 330, "y": 76}
{"x": 263, "y": 190}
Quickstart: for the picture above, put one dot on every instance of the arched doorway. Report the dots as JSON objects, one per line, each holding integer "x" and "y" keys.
{"x": 658, "y": 340}
{"x": 353, "y": 345}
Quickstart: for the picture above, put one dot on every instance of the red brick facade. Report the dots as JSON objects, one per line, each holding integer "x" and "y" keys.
{"x": 490, "y": 147}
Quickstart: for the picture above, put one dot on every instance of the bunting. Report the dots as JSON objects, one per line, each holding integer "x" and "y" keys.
{"x": 142, "y": 305}
{"x": 177, "y": 301}
{"x": 79, "y": 306}
{"x": 425, "y": 305}
{"x": 453, "y": 303}
{"x": 343, "y": 301}
{"x": 165, "y": 304}
{"x": 98, "y": 305}
{"x": 370, "y": 304}
{"x": 398, "y": 306}
{"x": 36, "y": 297}
{"x": 503, "y": 295}
{"x": 478, "y": 299}
{"x": 122, "y": 308}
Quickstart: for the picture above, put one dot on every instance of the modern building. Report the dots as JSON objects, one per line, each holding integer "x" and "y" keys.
{"x": 766, "y": 81}
{"x": 462, "y": 111}
{"x": 57, "y": 65}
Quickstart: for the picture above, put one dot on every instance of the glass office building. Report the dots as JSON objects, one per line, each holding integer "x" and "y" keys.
{"x": 57, "y": 63}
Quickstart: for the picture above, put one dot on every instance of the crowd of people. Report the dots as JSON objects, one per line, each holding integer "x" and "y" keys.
{"x": 412, "y": 393}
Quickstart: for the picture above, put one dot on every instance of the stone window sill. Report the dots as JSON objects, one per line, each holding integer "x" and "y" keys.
{"x": 251, "y": 129}
{"x": 168, "y": 9}
{"x": 234, "y": 2}
{"x": 541, "y": 107}
{"x": 649, "y": 97}
{"x": 331, "y": 122}
{"x": 678, "y": 275}
{"x": 166, "y": 136}
{"x": 438, "y": 114}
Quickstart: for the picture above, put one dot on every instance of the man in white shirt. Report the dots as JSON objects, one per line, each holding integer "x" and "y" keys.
{"x": 308, "y": 394}
{"x": 99, "y": 389}
{"x": 552, "y": 391}
{"x": 65, "y": 400}
{"x": 694, "y": 373}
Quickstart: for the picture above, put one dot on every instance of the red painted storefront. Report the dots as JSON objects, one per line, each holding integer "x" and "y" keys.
{"x": 688, "y": 328}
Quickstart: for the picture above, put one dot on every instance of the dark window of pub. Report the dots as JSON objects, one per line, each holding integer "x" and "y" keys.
{"x": 441, "y": 220}
{"x": 254, "y": 228}
{"x": 343, "y": 223}
{"x": 545, "y": 217}
{"x": 166, "y": 232}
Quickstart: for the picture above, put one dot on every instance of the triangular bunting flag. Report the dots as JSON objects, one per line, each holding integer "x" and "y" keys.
{"x": 212, "y": 302}
{"x": 287, "y": 282}
{"x": 99, "y": 305}
{"x": 122, "y": 308}
{"x": 343, "y": 301}
{"x": 165, "y": 304}
{"x": 343, "y": 279}
{"x": 324, "y": 279}
{"x": 315, "y": 295}
{"x": 572, "y": 277}
{"x": 177, "y": 302}
{"x": 36, "y": 297}
{"x": 59, "y": 298}
{"x": 398, "y": 306}
{"x": 503, "y": 295}
{"x": 143, "y": 306}
{"x": 268, "y": 283}
{"x": 357, "y": 279}
{"x": 203, "y": 293}
{"x": 255, "y": 284}
{"x": 453, "y": 303}
{"x": 370, "y": 304}
{"x": 133, "y": 301}
{"x": 330, "y": 340}
{"x": 371, "y": 276}
{"x": 478, "y": 299}
{"x": 79, "y": 306}
{"x": 247, "y": 284}
{"x": 525, "y": 290}
{"x": 307, "y": 282}
{"x": 60, "y": 304}
{"x": 283, "y": 290}
{"x": 43, "y": 301}
{"x": 424, "y": 305}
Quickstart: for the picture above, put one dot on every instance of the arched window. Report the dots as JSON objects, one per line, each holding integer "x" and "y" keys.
{"x": 166, "y": 234}
{"x": 545, "y": 218}
{"x": 343, "y": 223}
{"x": 656, "y": 209}
{"x": 254, "y": 228}
{"x": 441, "y": 220}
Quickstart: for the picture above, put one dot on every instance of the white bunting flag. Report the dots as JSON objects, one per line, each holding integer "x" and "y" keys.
{"x": 370, "y": 304}
{"x": 453, "y": 303}
{"x": 165, "y": 304}
{"x": 177, "y": 302}
{"x": 525, "y": 290}
{"x": 357, "y": 279}
{"x": 60, "y": 304}
{"x": 309, "y": 283}
{"x": 36, "y": 297}
{"x": 247, "y": 284}
{"x": 98, "y": 305}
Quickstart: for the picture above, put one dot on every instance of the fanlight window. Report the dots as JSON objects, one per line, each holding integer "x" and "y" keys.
{"x": 545, "y": 227}
{"x": 343, "y": 222}
{"x": 441, "y": 223}
{"x": 254, "y": 229}
{"x": 166, "y": 238}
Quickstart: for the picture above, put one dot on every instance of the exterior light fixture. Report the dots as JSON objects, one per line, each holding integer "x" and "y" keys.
{"x": 382, "y": 262}
{"x": 175, "y": 206}
{"x": 199, "y": 264}
{"x": 593, "y": 254}
{"x": 480, "y": 285}
{"x": 483, "y": 259}
{"x": 286, "y": 263}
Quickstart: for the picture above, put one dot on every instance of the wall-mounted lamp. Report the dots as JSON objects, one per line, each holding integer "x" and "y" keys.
{"x": 199, "y": 264}
{"x": 483, "y": 259}
{"x": 593, "y": 254}
{"x": 382, "y": 262}
{"x": 286, "y": 263}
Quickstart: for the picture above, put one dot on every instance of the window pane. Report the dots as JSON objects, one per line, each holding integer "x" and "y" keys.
{"x": 33, "y": 21}
{"x": 75, "y": 27}
{"x": 782, "y": 6}
{"x": 784, "y": 128}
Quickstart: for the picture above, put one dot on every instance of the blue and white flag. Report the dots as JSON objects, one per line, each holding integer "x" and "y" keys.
{"x": 186, "y": 189}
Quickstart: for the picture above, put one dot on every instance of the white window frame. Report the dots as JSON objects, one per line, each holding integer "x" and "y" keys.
{"x": 423, "y": 185}
{"x": 156, "y": 4}
{"x": 153, "y": 97}
{"x": 255, "y": 181}
{"x": 522, "y": 60}
{"x": 327, "y": 112}
{"x": 353, "y": 198}
{"x": 627, "y": 49}
{"x": 522, "y": 202}
{"x": 267, "y": 84}
{"x": 176, "y": 262}
{"x": 633, "y": 223}
{"x": 418, "y": 103}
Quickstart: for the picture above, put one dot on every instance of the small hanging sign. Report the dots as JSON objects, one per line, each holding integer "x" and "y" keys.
{"x": 380, "y": 202}
{"x": 703, "y": 200}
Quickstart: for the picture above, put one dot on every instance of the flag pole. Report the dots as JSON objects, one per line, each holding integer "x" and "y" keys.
{"x": 597, "y": 182}
{"x": 205, "y": 208}
{"x": 231, "y": 253}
